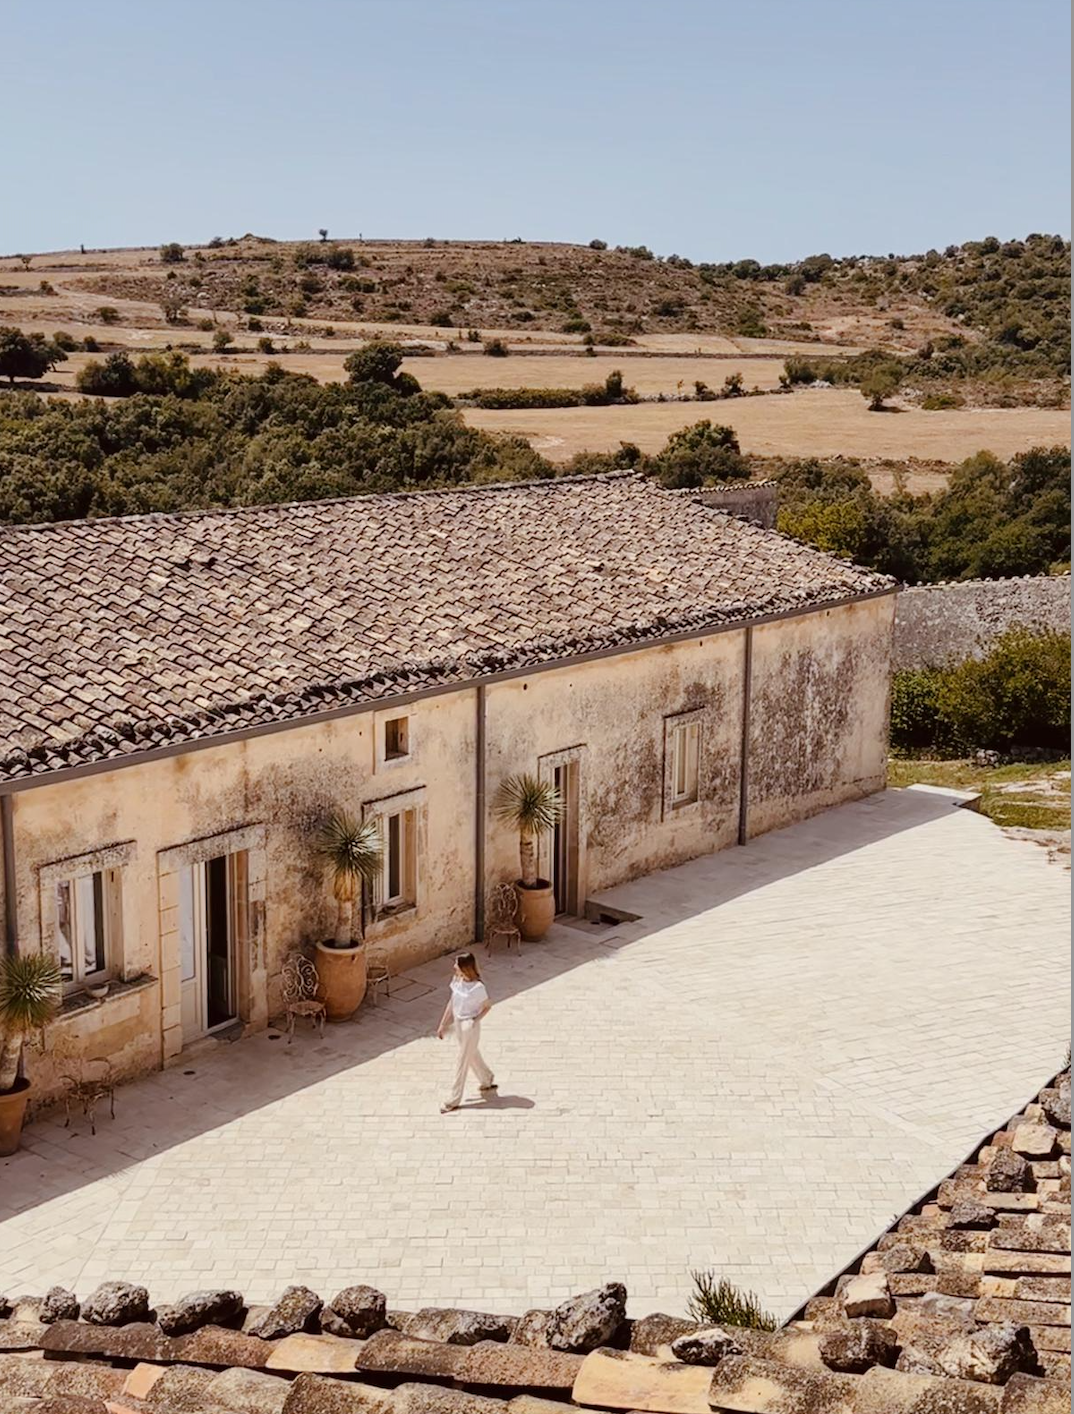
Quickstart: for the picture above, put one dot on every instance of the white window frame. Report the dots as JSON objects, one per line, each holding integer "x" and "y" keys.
{"x": 409, "y": 808}
{"x": 78, "y": 876}
{"x": 683, "y": 755}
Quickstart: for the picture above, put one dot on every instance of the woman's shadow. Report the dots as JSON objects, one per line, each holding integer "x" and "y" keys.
{"x": 499, "y": 1102}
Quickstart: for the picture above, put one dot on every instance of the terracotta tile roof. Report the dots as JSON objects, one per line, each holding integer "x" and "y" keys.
{"x": 123, "y": 635}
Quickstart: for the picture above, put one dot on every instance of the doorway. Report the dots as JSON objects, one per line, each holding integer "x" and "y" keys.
{"x": 207, "y": 930}
{"x": 563, "y": 852}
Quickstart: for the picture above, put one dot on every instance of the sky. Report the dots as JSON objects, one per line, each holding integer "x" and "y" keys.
{"x": 715, "y": 129}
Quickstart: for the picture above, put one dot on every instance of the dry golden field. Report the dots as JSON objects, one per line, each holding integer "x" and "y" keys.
{"x": 818, "y": 423}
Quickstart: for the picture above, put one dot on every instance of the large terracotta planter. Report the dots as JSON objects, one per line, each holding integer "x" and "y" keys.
{"x": 343, "y": 979}
{"x": 536, "y": 910}
{"x": 12, "y": 1109}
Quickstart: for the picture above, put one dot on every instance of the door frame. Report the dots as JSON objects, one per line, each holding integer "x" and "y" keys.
{"x": 574, "y": 757}
{"x": 194, "y": 991}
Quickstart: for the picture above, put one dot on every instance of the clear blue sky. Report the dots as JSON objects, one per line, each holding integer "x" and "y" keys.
{"x": 715, "y": 128}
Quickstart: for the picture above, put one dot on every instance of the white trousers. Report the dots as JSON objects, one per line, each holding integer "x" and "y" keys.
{"x": 468, "y": 1035}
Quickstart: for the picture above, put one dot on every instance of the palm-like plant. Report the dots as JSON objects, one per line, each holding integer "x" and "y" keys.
{"x": 533, "y": 807}
{"x": 30, "y": 995}
{"x": 354, "y": 852}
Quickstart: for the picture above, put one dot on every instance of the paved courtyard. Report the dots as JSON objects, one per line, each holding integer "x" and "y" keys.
{"x": 793, "y": 1043}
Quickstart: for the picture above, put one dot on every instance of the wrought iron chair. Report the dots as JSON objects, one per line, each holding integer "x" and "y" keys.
{"x": 501, "y": 917}
{"x": 89, "y": 1081}
{"x": 378, "y": 978}
{"x": 300, "y": 987}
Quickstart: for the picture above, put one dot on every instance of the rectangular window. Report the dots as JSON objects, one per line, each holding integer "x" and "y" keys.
{"x": 85, "y": 927}
{"x": 685, "y": 747}
{"x": 396, "y": 738}
{"x": 399, "y": 875}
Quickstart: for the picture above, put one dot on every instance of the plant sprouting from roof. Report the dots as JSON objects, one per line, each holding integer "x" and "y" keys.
{"x": 716, "y": 1302}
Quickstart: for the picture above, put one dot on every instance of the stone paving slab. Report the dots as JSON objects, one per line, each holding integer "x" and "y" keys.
{"x": 794, "y": 1042}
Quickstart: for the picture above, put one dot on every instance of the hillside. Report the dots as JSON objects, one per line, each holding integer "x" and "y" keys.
{"x": 1009, "y": 302}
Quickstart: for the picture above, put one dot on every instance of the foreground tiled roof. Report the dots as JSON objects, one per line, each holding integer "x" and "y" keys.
{"x": 963, "y": 1308}
{"x": 119, "y": 636}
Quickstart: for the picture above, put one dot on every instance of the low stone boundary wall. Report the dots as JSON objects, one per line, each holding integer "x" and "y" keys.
{"x": 942, "y": 623}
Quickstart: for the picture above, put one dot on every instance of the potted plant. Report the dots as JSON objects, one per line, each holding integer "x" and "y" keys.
{"x": 30, "y": 995}
{"x": 532, "y": 807}
{"x": 354, "y": 854}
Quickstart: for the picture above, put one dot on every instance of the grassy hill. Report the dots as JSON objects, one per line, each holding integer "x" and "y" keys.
{"x": 1009, "y": 299}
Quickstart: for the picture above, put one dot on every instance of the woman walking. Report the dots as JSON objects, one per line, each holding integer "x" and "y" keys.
{"x": 468, "y": 1003}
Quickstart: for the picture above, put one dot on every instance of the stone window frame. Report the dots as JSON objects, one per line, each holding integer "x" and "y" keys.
{"x": 381, "y": 760}
{"x": 416, "y": 800}
{"x": 251, "y": 960}
{"x": 108, "y": 860}
{"x": 670, "y": 809}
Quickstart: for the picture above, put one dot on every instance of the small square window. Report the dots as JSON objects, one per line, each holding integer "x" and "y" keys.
{"x": 396, "y": 738}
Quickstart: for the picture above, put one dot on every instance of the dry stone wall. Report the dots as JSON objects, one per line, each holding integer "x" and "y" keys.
{"x": 941, "y": 623}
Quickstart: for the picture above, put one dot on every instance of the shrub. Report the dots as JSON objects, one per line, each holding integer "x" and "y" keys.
{"x": 46, "y": 288}
{"x": 598, "y": 245}
{"x": 221, "y": 339}
{"x": 378, "y": 362}
{"x": 107, "y": 314}
{"x": 473, "y": 336}
{"x": 115, "y": 377}
{"x": 265, "y": 345}
{"x": 205, "y": 325}
{"x": 705, "y": 452}
{"x": 716, "y": 1302}
{"x": 1017, "y": 695}
{"x": 67, "y": 342}
{"x": 576, "y": 325}
{"x": 733, "y": 386}
{"x": 90, "y": 344}
{"x": 936, "y": 402}
{"x": 172, "y": 305}
{"x": 172, "y": 253}
{"x": 879, "y": 383}
{"x": 340, "y": 258}
{"x": 496, "y": 348}
{"x": 750, "y": 324}
{"x": 254, "y": 324}
{"x": 915, "y": 710}
{"x": 441, "y": 319}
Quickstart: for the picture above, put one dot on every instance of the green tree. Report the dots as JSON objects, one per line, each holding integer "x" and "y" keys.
{"x": 376, "y": 363}
{"x": 879, "y": 383}
{"x": 27, "y": 355}
{"x": 172, "y": 253}
{"x": 704, "y": 452}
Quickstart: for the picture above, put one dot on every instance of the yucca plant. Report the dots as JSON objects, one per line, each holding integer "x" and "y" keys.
{"x": 716, "y": 1302}
{"x": 354, "y": 853}
{"x": 30, "y": 996}
{"x": 532, "y": 807}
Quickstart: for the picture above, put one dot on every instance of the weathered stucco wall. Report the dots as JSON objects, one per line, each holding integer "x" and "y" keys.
{"x": 819, "y": 711}
{"x": 287, "y": 782}
{"x": 615, "y": 708}
{"x": 941, "y": 623}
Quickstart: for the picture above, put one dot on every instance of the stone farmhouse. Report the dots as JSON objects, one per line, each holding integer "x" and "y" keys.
{"x": 185, "y": 697}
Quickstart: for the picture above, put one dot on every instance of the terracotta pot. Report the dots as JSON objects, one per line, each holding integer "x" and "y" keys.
{"x": 12, "y": 1109}
{"x": 536, "y": 910}
{"x": 343, "y": 979}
